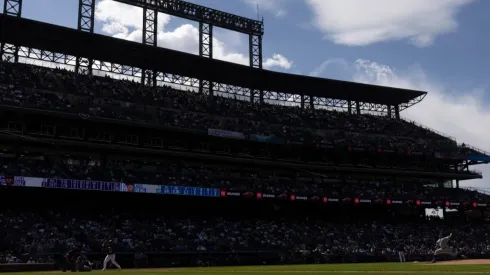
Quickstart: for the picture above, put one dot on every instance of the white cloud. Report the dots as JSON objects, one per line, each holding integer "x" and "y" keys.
{"x": 461, "y": 116}
{"x": 125, "y": 22}
{"x": 276, "y": 7}
{"x": 278, "y": 60}
{"x": 361, "y": 22}
{"x": 124, "y": 16}
{"x": 322, "y": 68}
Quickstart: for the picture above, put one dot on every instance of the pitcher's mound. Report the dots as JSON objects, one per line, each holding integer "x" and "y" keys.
{"x": 464, "y": 262}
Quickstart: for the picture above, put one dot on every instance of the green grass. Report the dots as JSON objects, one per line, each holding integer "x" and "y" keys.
{"x": 332, "y": 269}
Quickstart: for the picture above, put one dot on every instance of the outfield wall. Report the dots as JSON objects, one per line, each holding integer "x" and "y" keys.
{"x": 182, "y": 259}
{"x": 27, "y": 267}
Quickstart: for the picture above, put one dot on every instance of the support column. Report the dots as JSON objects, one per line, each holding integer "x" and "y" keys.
{"x": 86, "y": 10}
{"x": 12, "y": 8}
{"x": 206, "y": 50}
{"x": 255, "y": 56}
{"x": 255, "y": 51}
{"x": 397, "y": 111}
{"x": 149, "y": 37}
{"x": 312, "y": 102}
{"x": 302, "y": 101}
{"x": 389, "y": 111}
{"x": 349, "y": 107}
{"x": 10, "y": 53}
{"x": 358, "y": 108}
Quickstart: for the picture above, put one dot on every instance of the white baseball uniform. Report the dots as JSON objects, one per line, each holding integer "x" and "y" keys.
{"x": 111, "y": 257}
{"x": 401, "y": 255}
{"x": 444, "y": 249}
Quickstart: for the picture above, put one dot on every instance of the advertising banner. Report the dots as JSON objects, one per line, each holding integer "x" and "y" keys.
{"x": 72, "y": 184}
{"x": 225, "y": 134}
{"x": 267, "y": 139}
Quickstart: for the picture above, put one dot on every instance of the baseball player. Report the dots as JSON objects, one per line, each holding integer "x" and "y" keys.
{"x": 401, "y": 254}
{"x": 443, "y": 248}
{"x": 83, "y": 264}
{"x": 70, "y": 259}
{"x": 111, "y": 256}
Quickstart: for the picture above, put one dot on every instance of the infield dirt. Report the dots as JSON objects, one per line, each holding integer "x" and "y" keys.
{"x": 464, "y": 262}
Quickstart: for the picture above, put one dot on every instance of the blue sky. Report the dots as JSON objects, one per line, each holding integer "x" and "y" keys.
{"x": 440, "y": 46}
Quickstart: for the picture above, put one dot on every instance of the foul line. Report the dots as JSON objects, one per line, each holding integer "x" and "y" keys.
{"x": 329, "y": 271}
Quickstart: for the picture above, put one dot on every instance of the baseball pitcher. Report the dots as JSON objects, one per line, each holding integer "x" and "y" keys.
{"x": 442, "y": 248}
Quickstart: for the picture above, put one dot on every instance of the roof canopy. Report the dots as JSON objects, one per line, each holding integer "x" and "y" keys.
{"x": 38, "y": 35}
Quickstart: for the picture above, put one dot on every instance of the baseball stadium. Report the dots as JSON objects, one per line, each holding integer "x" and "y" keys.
{"x": 125, "y": 155}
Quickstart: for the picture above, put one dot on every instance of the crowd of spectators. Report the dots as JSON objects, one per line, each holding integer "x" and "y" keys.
{"x": 231, "y": 178}
{"x": 62, "y": 90}
{"x": 32, "y": 234}
{"x": 28, "y": 234}
{"x": 26, "y": 238}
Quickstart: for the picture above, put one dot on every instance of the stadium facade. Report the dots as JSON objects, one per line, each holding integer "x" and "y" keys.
{"x": 257, "y": 143}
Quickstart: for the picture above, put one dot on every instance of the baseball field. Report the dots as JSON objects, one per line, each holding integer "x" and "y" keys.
{"x": 443, "y": 268}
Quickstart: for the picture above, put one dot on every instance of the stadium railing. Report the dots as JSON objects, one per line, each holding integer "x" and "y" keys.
{"x": 485, "y": 191}
{"x": 478, "y": 150}
{"x": 431, "y": 129}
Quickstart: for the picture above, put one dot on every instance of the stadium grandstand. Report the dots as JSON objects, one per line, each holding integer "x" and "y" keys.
{"x": 184, "y": 160}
